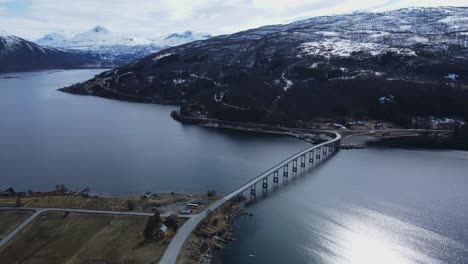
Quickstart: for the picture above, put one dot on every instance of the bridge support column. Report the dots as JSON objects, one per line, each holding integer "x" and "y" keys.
{"x": 318, "y": 153}
{"x": 294, "y": 165}
{"x": 303, "y": 159}
{"x": 265, "y": 183}
{"x": 253, "y": 190}
{"x": 285, "y": 170}
{"x": 275, "y": 177}
{"x": 311, "y": 156}
{"x": 324, "y": 154}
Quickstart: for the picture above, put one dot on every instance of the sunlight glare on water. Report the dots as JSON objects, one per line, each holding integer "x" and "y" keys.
{"x": 364, "y": 236}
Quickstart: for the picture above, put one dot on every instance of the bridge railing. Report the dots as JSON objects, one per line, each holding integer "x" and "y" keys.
{"x": 333, "y": 144}
{"x": 172, "y": 252}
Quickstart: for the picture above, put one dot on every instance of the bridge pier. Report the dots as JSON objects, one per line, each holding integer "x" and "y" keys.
{"x": 318, "y": 153}
{"x": 311, "y": 156}
{"x": 285, "y": 170}
{"x": 324, "y": 154}
{"x": 275, "y": 177}
{"x": 253, "y": 190}
{"x": 294, "y": 169}
{"x": 265, "y": 183}
{"x": 303, "y": 159}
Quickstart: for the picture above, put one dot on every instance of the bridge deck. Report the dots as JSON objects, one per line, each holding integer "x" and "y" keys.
{"x": 171, "y": 254}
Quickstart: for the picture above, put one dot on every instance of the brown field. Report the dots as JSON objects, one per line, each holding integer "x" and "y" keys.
{"x": 10, "y": 219}
{"x": 82, "y": 238}
{"x": 101, "y": 203}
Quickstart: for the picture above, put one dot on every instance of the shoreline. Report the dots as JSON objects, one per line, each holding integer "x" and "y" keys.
{"x": 353, "y": 139}
{"x": 311, "y": 136}
{"x": 308, "y": 134}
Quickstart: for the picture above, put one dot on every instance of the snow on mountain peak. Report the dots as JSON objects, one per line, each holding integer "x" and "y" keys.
{"x": 52, "y": 39}
{"x": 176, "y": 39}
{"x": 99, "y": 29}
{"x": 3, "y": 33}
{"x": 100, "y": 36}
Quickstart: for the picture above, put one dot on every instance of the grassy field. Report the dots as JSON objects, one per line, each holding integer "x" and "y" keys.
{"x": 10, "y": 219}
{"x": 82, "y": 238}
{"x": 97, "y": 203}
{"x": 170, "y": 202}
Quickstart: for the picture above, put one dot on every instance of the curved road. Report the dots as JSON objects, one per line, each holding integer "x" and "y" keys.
{"x": 174, "y": 248}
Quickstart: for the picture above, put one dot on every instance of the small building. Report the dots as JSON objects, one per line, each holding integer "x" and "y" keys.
{"x": 163, "y": 230}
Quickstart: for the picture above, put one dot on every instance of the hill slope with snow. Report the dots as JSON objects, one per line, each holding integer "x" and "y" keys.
{"x": 17, "y": 54}
{"x": 330, "y": 66}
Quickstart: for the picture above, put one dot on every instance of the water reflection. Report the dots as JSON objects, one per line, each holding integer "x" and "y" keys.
{"x": 356, "y": 235}
{"x": 369, "y": 206}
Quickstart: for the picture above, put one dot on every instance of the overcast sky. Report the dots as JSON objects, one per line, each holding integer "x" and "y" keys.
{"x": 32, "y": 19}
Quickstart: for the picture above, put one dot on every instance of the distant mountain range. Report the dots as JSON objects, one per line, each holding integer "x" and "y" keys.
{"x": 95, "y": 48}
{"x": 331, "y": 66}
{"x": 17, "y": 54}
{"x": 114, "y": 47}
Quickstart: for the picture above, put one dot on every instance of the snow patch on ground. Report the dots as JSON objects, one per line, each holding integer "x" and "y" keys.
{"x": 345, "y": 48}
{"x": 328, "y": 33}
{"x": 178, "y": 81}
{"x": 454, "y": 21}
{"x": 162, "y": 56}
{"x": 218, "y": 97}
{"x": 289, "y": 83}
{"x": 418, "y": 39}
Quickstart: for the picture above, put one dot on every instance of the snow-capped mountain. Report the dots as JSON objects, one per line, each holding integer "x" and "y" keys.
{"x": 176, "y": 39}
{"x": 54, "y": 39}
{"x": 17, "y": 54}
{"x": 323, "y": 66}
{"x": 116, "y": 47}
{"x": 100, "y": 36}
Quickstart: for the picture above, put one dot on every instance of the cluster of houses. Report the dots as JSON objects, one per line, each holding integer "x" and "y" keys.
{"x": 437, "y": 123}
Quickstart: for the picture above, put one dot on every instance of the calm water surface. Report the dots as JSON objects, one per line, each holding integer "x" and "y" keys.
{"x": 364, "y": 206}
{"x": 117, "y": 148}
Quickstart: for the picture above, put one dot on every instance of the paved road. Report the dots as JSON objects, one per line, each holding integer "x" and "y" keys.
{"x": 174, "y": 248}
{"x": 39, "y": 211}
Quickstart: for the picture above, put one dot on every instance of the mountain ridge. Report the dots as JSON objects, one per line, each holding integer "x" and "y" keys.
{"x": 330, "y": 66}
{"x": 17, "y": 54}
{"x": 115, "y": 47}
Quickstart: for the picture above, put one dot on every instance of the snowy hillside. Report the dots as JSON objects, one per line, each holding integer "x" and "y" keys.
{"x": 10, "y": 44}
{"x": 322, "y": 66}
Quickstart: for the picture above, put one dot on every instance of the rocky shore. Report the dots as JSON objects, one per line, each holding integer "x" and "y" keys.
{"x": 213, "y": 234}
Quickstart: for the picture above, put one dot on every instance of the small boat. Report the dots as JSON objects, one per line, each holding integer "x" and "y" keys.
{"x": 251, "y": 256}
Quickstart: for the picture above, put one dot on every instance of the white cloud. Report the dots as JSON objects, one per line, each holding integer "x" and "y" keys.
{"x": 153, "y": 18}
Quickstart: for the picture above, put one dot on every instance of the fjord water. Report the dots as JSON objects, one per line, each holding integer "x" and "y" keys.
{"x": 362, "y": 206}
{"x": 117, "y": 148}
